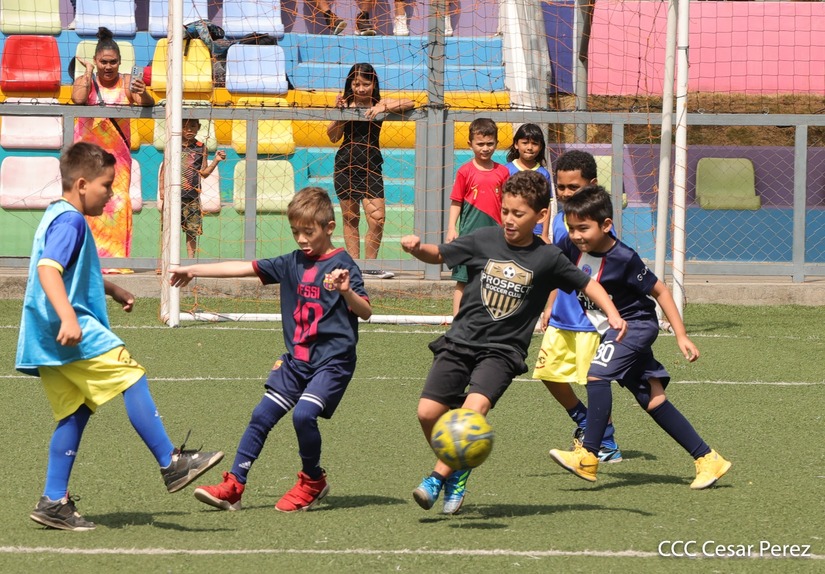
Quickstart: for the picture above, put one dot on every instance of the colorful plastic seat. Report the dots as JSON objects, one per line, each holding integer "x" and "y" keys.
{"x": 116, "y": 15}
{"x": 30, "y": 17}
{"x": 30, "y": 64}
{"x": 275, "y": 137}
{"x": 252, "y": 69}
{"x": 159, "y": 15}
{"x": 31, "y": 132}
{"x": 29, "y": 182}
{"x": 276, "y": 186}
{"x": 197, "y": 68}
{"x": 726, "y": 183}
{"x": 241, "y": 17}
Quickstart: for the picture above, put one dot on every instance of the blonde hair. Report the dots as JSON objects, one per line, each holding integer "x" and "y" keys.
{"x": 311, "y": 204}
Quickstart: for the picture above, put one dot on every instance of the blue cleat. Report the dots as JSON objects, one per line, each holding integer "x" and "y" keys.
{"x": 610, "y": 454}
{"x": 454, "y": 491}
{"x": 427, "y": 492}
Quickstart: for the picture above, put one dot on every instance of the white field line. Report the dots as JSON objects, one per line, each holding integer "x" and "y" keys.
{"x": 342, "y": 552}
{"x": 408, "y": 378}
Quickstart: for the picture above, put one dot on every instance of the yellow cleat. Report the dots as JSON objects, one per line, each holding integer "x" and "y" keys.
{"x": 709, "y": 469}
{"x": 579, "y": 461}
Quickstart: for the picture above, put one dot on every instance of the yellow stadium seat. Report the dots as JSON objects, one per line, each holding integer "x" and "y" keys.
{"x": 30, "y": 17}
{"x": 197, "y": 69}
{"x": 276, "y": 186}
{"x": 726, "y": 183}
{"x": 275, "y": 137}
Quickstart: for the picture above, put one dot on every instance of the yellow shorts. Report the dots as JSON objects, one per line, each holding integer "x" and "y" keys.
{"x": 565, "y": 356}
{"x": 92, "y": 382}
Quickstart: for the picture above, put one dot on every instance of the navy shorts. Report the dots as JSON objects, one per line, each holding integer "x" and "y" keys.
{"x": 630, "y": 367}
{"x": 459, "y": 370}
{"x": 324, "y": 386}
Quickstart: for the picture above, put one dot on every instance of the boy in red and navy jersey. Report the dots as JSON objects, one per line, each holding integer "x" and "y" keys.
{"x": 322, "y": 298}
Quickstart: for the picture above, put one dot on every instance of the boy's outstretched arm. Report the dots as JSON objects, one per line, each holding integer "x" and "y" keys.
{"x": 663, "y": 296}
{"x": 51, "y": 280}
{"x": 426, "y": 252}
{"x": 599, "y": 296}
{"x": 181, "y": 276}
{"x": 119, "y": 294}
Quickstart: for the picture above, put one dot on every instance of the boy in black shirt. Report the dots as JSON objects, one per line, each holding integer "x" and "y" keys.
{"x": 511, "y": 274}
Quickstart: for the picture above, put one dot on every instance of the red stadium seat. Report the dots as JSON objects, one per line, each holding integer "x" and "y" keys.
{"x": 30, "y": 64}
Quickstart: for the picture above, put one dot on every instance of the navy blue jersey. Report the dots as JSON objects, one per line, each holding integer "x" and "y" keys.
{"x": 623, "y": 275}
{"x": 318, "y": 324}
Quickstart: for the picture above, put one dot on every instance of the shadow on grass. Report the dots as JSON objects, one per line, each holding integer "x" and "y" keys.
{"x": 495, "y": 511}
{"x": 358, "y": 501}
{"x": 123, "y": 519}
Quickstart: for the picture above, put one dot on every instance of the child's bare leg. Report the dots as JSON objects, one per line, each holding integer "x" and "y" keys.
{"x": 191, "y": 246}
{"x": 563, "y": 393}
{"x": 351, "y": 214}
{"x": 457, "y": 295}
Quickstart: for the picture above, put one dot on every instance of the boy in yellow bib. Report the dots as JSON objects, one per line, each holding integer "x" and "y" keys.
{"x": 65, "y": 338}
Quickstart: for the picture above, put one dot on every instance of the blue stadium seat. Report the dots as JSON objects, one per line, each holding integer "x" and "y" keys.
{"x": 116, "y": 15}
{"x": 252, "y": 69}
{"x": 159, "y": 14}
{"x": 241, "y": 17}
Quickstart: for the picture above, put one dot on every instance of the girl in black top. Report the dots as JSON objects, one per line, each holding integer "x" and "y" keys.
{"x": 358, "y": 175}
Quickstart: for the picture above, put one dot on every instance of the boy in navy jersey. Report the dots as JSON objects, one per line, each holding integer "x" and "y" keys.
{"x": 322, "y": 298}
{"x": 511, "y": 272}
{"x": 592, "y": 246}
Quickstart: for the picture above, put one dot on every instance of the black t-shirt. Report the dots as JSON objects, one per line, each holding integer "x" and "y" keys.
{"x": 507, "y": 289}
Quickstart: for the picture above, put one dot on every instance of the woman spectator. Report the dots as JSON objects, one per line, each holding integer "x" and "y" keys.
{"x": 103, "y": 84}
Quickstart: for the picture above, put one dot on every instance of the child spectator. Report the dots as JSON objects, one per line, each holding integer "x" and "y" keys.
{"x": 358, "y": 176}
{"x": 511, "y": 272}
{"x": 475, "y": 201}
{"x": 65, "y": 339}
{"x": 322, "y": 298}
{"x": 527, "y": 152}
{"x": 194, "y": 167}
{"x": 629, "y": 361}
{"x": 570, "y": 339}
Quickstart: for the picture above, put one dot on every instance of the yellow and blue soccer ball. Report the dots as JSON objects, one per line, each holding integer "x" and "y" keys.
{"x": 462, "y": 438}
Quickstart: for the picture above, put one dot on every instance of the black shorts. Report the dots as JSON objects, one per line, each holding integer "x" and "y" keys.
{"x": 459, "y": 370}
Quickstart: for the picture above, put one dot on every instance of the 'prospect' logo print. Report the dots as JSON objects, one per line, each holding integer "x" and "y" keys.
{"x": 504, "y": 286}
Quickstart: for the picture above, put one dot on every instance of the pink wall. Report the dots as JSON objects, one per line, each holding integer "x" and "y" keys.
{"x": 743, "y": 47}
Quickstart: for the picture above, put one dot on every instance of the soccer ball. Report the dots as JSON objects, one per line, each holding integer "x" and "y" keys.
{"x": 462, "y": 438}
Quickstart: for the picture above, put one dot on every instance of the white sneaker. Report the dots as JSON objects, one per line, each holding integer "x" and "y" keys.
{"x": 400, "y": 27}
{"x": 448, "y": 26}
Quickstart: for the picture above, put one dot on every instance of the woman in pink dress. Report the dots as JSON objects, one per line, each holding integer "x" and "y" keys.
{"x": 108, "y": 87}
